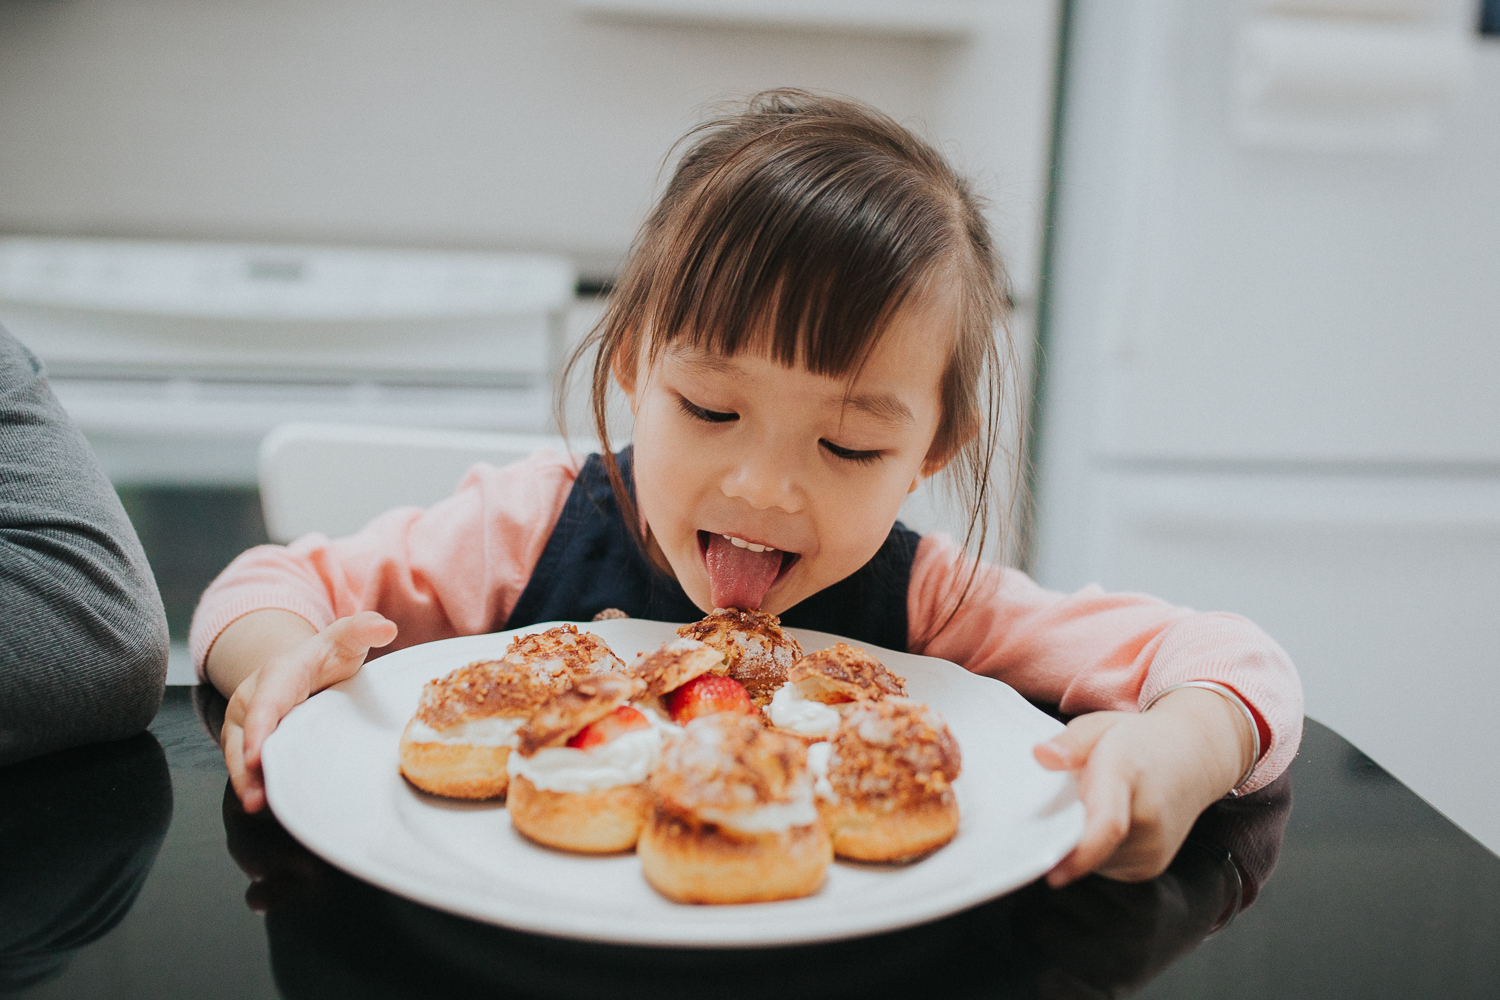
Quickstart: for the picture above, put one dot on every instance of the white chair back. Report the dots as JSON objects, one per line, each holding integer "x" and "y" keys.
{"x": 332, "y": 478}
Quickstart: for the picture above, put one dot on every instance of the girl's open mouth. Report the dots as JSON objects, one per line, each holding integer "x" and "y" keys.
{"x": 741, "y": 572}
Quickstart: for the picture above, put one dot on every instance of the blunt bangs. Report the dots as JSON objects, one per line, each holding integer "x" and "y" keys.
{"x": 799, "y": 244}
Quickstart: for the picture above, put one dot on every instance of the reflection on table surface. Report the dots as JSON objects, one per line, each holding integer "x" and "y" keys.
{"x": 1364, "y": 868}
{"x": 79, "y": 831}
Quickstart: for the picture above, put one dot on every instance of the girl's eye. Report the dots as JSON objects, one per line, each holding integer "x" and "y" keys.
{"x": 850, "y": 455}
{"x": 699, "y": 413}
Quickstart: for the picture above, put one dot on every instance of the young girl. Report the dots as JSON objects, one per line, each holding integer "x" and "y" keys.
{"x": 805, "y": 331}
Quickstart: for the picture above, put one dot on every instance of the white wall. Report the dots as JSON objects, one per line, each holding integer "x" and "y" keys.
{"x": 474, "y": 123}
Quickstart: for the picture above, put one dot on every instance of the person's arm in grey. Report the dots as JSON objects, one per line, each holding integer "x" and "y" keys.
{"x": 83, "y": 637}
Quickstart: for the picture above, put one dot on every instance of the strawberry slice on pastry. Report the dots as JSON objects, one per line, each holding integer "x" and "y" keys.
{"x": 617, "y": 723}
{"x": 705, "y": 695}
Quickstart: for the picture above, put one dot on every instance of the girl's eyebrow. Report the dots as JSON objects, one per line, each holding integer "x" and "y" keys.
{"x": 882, "y": 406}
{"x": 704, "y": 361}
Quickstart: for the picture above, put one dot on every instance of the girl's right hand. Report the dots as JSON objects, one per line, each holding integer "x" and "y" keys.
{"x": 286, "y": 680}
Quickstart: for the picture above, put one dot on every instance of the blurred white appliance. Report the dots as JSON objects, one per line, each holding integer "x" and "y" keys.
{"x": 1274, "y": 374}
{"x": 177, "y": 358}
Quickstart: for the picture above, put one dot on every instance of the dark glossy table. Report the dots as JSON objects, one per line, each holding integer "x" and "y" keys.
{"x": 127, "y": 870}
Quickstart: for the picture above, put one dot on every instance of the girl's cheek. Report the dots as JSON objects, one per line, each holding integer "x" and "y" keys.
{"x": 684, "y": 439}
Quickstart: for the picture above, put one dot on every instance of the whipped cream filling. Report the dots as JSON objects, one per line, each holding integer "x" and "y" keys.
{"x": 656, "y": 715}
{"x": 789, "y": 709}
{"x": 624, "y": 760}
{"x": 490, "y": 732}
{"x": 819, "y": 756}
{"x": 775, "y": 817}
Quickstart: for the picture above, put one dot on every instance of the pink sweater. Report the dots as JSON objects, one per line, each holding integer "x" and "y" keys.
{"x": 459, "y": 567}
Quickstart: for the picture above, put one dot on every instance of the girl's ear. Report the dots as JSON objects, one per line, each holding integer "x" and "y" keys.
{"x": 930, "y": 468}
{"x": 945, "y": 447}
{"x": 933, "y": 465}
{"x": 622, "y": 366}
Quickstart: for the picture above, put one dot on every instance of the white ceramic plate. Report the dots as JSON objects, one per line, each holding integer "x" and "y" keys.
{"x": 332, "y": 779}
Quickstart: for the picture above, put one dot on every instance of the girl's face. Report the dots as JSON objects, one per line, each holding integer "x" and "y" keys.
{"x": 811, "y": 468}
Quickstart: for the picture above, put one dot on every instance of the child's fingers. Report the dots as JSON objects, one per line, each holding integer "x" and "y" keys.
{"x": 254, "y": 797}
{"x": 1106, "y": 805}
{"x": 234, "y": 756}
{"x": 290, "y": 679}
{"x": 286, "y": 681}
{"x": 247, "y": 784}
{"x": 1069, "y": 750}
{"x": 348, "y": 641}
{"x": 280, "y": 687}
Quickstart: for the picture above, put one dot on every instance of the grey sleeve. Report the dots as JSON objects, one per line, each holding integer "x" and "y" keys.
{"x": 83, "y": 637}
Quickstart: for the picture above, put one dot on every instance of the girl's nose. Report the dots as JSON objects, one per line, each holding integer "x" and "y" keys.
{"x": 765, "y": 478}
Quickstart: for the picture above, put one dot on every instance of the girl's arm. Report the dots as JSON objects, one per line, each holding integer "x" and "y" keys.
{"x": 456, "y": 568}
{"x": 1110, "y": 654}
{"x": 281, "y": 623}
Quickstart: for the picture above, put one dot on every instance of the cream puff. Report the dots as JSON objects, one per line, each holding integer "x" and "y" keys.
{"x": 732, "y": 816}
{"x": 673, "y": 664}
{"x": 686, "y": 678}
{"x": 577, "y": 775}
{"x": 458, "y": 742}
{"x": 562, "y": 652}
{"x": 885, "y": 781}
{"x": 839, "y": 674}
{"x": 755, "y": 647}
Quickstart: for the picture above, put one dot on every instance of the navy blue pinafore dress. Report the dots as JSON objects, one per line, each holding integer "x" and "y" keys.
{"x": 591, "y": 562}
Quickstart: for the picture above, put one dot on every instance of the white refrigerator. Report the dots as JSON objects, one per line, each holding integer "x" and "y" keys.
{"x": 1272, "y": 349}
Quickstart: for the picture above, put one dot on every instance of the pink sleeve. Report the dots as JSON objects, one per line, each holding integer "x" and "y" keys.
{"x": 457, "y": 568}
{"x": 1092, "y": 651}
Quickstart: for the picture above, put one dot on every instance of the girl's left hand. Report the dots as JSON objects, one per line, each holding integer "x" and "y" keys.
{"x": 1144, "y": 778}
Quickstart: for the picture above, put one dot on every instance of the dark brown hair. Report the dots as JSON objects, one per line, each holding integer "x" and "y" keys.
{"x": 798, "y": 225}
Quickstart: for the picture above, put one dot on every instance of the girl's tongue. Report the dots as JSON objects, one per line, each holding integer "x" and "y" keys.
{"x": 739, "y": 578}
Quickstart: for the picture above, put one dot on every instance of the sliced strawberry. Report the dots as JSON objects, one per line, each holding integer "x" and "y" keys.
{"x": 622, "y": 720}
{"x": 707, "y": 694}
